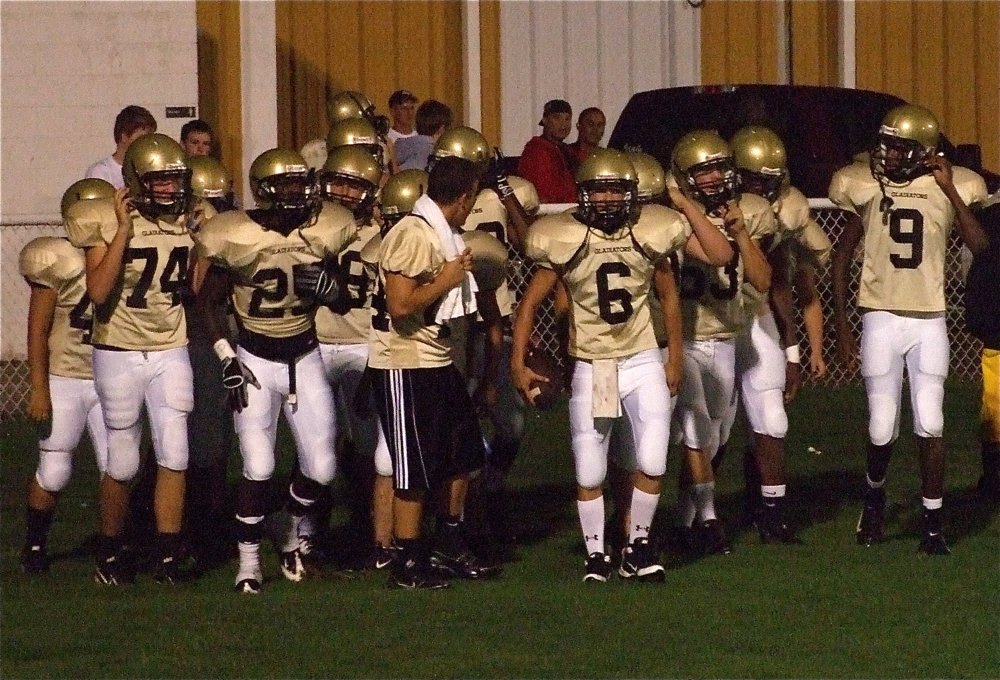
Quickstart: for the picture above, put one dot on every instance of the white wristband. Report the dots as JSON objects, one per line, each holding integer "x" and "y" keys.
{"x": 792, "y": 355}
{"x": 223, "y": 349}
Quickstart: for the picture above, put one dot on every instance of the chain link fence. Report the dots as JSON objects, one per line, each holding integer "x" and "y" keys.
{"x": 965, "y": 349}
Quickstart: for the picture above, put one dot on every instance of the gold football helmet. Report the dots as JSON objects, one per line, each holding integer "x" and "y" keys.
{"x": 356, "y": 132}
{"x": 211, "y": 181}
{"x": 489, "y": 259}
{"x": 351, "y": 176}
{"x": 464, "y": 142}
{"x": 85, "y": 190}
{"x": 280, "y": 180}
{"x": 908, "y": 135}
{"x": 151, "y": 162}
{"x": 350, "y": 104}
{"x": 704, "y": 155}
{"x": 399, "y": 194}
{"x": 650, "y": 176}
{"x": 761, "y": 160}
{"x": 607, "y": 189}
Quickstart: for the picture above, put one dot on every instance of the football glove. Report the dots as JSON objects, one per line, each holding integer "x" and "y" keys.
{"x": 496, "y": 178}
{"x": 317, "y": 282}
{"x": 235, "y": 377}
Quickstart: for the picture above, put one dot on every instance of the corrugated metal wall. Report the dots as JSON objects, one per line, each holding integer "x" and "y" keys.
{"x": 942, "y": 55}
{"x": 374, "y": 47}
{"x": 739, "y": 42}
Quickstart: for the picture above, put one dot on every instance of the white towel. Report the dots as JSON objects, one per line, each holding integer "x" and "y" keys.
{"x": 461, "y": 300}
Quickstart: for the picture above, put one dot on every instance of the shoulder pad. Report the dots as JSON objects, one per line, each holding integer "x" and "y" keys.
{"x": 970, "y": 185}
{"x": 525, "y": 192}
{"x": 230, "y": 239}
{"x": 792, "y": 208}
{"x": 852, "y": 187}
{"x": 369, "y": 251}
{"x": 661, "y": 230}
{"x": 758, "y": 215}
{"x": 408, "y": 248}
{"x": 554, "y": 239}
{"x": 51, "y": 261}
{"x": 333, "y": 230}
{"x": 91, "y": 223}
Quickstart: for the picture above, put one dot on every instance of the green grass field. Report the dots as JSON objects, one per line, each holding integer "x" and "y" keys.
{"x": 828, "y": 608}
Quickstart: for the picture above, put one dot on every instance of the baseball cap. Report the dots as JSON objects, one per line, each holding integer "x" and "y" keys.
{"x": 401, "y": 97}
{"x": 556, "y": 106}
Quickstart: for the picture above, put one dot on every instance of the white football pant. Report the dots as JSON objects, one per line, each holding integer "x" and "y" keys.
{"x": 75, "y": 406}
{"x": 707, "y": 392}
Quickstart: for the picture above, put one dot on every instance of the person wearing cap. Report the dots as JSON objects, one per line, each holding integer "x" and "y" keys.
{"x": 546, "y": 161}
{"x": 402, "y": 106}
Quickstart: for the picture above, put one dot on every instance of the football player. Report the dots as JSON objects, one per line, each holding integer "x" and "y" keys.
{"x": 504, "y": 209}
{"x": 702, "y": 167}
{"x": 608, "y": 252}
{"x": 350, "y": 178}
{"x": 767, "y": 351}
{"x": 63, "y": 400}
{"x": 137, "y": 248}
{"x": 904, "y": 203}
{"x": 274, "y": 264}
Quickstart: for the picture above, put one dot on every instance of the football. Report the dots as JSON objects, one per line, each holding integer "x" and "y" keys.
{"x": 543, "y": 363}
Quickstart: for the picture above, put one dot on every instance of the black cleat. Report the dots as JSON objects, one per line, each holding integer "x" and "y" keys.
{"x": 464, "y": 565}
{"x": 772, "y": 527}
{"x": 113, "y": 570}
{"x": 598, "y": 568}
{"x": 34, "y": 559}
{"x": 933, "y": 544}
{"x": 292, "y": 567}
{"x": 871, "y": 523}
{"x": 416, "y": 575}
{"x": 713, "y": 538}
{"x": 168, "y": 571}
{"x": 639, "y": 562}
{"x": 383, "y": 556}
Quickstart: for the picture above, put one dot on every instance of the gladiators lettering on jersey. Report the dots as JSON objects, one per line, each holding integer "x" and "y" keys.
{"x": 712, "y": 302}
{"x": 143, "y": 311}
{"x": 489, "y": 215}
{"x": 263, "y": 262}
{"x": 54, "y": 263}
{"x": 904, "y": 252}
{"x": 412, "y": 249}
{"x": 352, "y": 327}
{"x": 608, "y": 277}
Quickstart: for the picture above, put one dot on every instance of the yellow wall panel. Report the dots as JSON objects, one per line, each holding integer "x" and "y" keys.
{"x": 489, "y": 79}
{"x": 739, "y": 42}
{"x": 988, "y": 98}
{"x": 814, "y": 43}
{"x": 219, "y": 86}
{"x": 375, "y": 47}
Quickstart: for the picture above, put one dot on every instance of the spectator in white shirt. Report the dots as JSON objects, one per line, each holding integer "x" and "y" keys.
{"x": 131, "y": 123}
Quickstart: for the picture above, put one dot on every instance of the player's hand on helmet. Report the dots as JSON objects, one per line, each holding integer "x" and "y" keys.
{"x": 123, "y": 207}
{"x": 318, "y": 282}
{"x": 793, "y": 380}
{"x": 453, "y": 272}
{"x": 235, "y": 377}
{"x": 941, "y": 169}
{"x": 732, "y": 218}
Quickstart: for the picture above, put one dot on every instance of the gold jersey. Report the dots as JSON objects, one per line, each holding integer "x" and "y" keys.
{"x": 608, "y": 276}
{"x": 412, "y": 249}
{"x": 489, "y": 215}
{"x": 711, "y": 299}
{"x": 352, "y": 327}
{"x": 54, "y": 263}
{"x": 262, "y": 262}
{"x": 904, "y": 250}
{"x": 143, "y": 311}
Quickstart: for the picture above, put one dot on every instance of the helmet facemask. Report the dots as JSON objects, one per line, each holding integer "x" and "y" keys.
{"x": 767, "y": 183}
{"x": 354, "y": 193}
{"x": 292, "y": 195}
{"x": 164, "y": 193}
{"x": 718, "y": 192}
{"x": 898, "y": 160}
{"x": 608, "y": 215}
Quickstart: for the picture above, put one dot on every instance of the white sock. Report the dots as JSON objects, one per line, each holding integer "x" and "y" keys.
{"x": 932, "y": 503}
{"x": 704, "y": 500}
{"x": 643, "y": 509}
{"x": 249, "y": 561}
{"x": 774, "y": 491}
{"x": 685, "y": 507}
{"x": 874, "y": 485}
{"x": 592, "y": 523}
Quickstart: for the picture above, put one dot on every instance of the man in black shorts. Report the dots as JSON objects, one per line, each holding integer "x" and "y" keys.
{"x": 425, "y": 293}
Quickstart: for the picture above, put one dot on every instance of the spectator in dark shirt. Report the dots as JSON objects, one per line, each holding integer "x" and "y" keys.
{"x": 589, "y": 133}
{"x": 546, "y": 161}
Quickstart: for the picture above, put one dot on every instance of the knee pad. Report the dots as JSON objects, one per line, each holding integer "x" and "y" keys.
{"x": 591, "y": 470}
{"x": 123, "y": 454}
{"x": 172, "y": 451}
{"x": 928, "y": 411}
{"x": 881, "y": 419}
{"x": 258, "y": 458}
{"x": 768, "y": 416}
{"x": 54, "y": 470}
